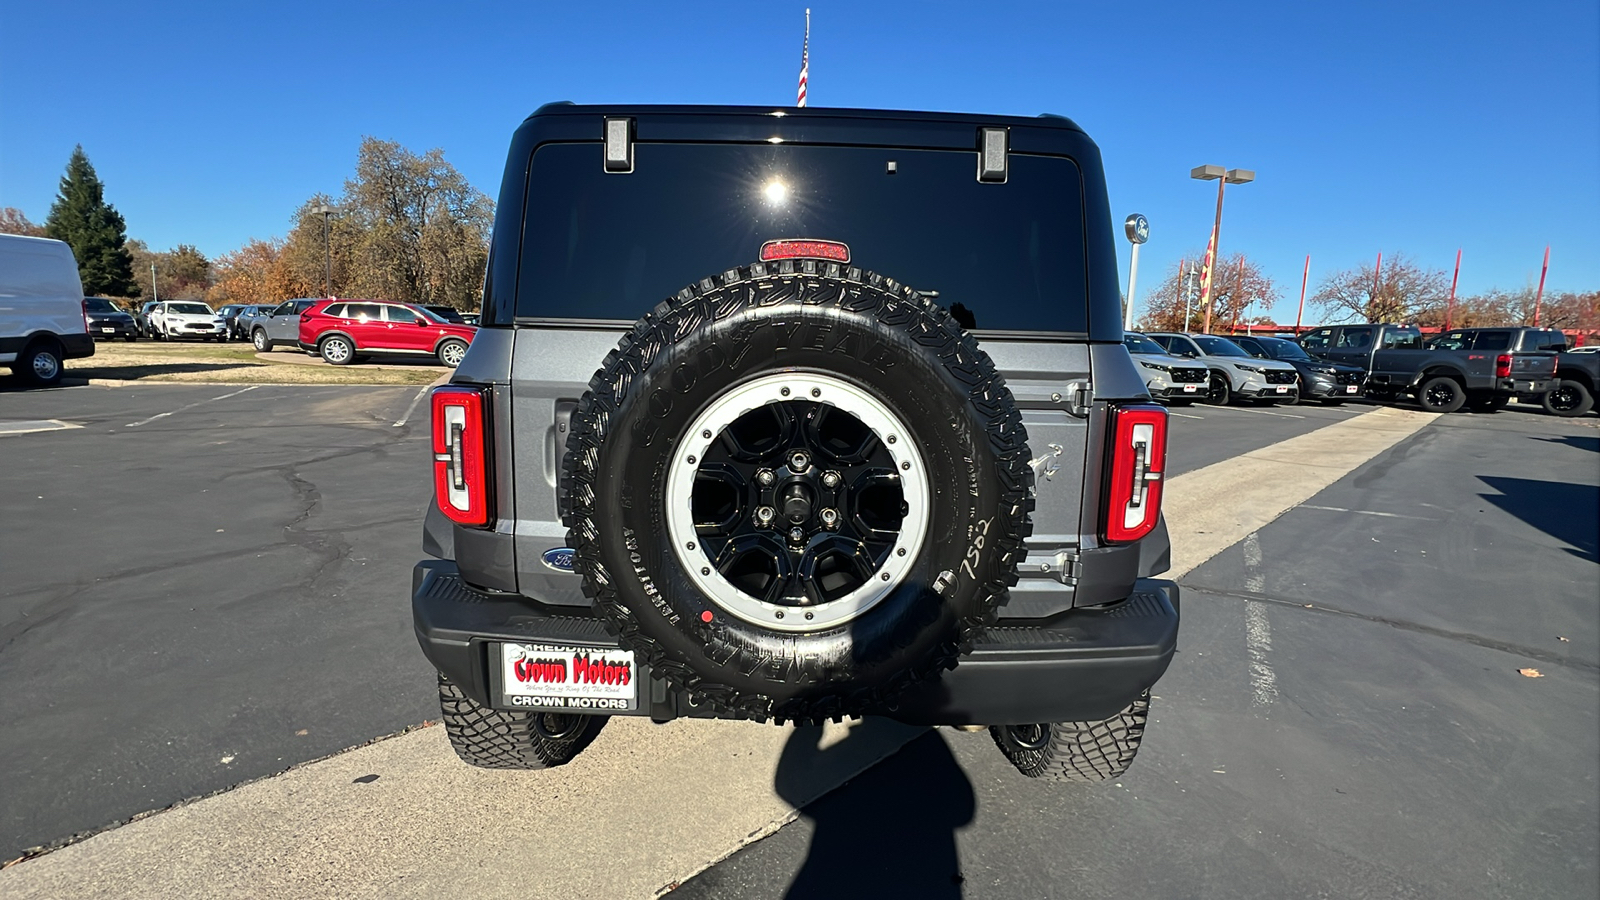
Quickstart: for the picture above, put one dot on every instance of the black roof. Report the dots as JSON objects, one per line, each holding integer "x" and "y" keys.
{"x": 565, "y": 107}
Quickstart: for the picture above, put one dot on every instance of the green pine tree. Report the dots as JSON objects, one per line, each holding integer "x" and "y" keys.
{"x": 93, "y": 229}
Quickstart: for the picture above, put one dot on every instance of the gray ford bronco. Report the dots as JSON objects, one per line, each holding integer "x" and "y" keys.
{"x": 798, "y": 414}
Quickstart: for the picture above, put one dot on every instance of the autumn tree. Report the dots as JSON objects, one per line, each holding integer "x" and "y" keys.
{"x": 1234, "y": 296}
{"x": 254, "y": 273}
{"x": 13, "y": 221}
{"x": 407, "y": 227}
{"x": 1400, "y": 292}
{"x": 94, "y": 229}
{"x": 182, "y": 273}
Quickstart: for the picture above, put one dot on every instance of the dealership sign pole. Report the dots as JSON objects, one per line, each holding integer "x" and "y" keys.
{"x": 1138, "y": 231}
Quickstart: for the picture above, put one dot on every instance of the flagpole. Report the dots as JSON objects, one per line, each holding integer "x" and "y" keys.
{"x": 805, "y": 62}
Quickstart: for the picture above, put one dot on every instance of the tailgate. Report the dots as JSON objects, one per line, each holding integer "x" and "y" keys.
{"x": 1534, "y": 364}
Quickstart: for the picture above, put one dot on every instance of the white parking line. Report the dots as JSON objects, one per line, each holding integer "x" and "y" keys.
{"x": 30, "y": 426}
{"x": 1257, "y": 631}
{"x": 412, "y": 408}
{"x": 1184, "y": 415}
{"x": 1261, "y": 412}
{"x": 190, "y": 406}
{"x": 1367, "y": 512}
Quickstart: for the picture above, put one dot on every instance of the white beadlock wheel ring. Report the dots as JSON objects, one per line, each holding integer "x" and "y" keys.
{"x": 782, "y": 388}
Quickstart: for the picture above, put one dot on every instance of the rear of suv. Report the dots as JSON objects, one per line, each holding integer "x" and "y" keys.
{"x": 790, "y": 415}
{"x": 347, "y": 331}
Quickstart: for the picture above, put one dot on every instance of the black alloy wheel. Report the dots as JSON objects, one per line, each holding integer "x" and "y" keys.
{"x": 1567, "y": 399}
{"x": 1441, "y": 394}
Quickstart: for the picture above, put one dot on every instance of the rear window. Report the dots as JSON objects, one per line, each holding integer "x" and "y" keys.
{"x": 1492, "y": 340}
{"x": 1003, "y": 257}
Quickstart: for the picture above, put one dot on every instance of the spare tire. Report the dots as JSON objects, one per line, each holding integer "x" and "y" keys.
{"x": 797, "y": 489}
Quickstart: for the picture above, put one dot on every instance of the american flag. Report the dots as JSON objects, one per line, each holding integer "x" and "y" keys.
{"x": 805, "y": 62}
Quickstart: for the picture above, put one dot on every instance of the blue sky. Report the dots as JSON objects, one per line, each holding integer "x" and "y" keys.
{"x": 1419, "y": 128}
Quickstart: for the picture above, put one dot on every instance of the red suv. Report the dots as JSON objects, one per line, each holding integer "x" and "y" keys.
{"x": 345, "y": 331}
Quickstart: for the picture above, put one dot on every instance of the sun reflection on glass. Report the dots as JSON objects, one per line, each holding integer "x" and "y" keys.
{"x": 776, "y": 192}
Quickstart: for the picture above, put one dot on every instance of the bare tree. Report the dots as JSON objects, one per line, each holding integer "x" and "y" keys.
{"x": 1399, "y": 292}
{"x": 1233, "y": 297}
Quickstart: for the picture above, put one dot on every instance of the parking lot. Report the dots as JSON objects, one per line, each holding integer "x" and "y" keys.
{"x": 206, "y": 585}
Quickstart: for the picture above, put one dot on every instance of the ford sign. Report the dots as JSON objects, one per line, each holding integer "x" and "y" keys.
{"x": 559, "y": 558}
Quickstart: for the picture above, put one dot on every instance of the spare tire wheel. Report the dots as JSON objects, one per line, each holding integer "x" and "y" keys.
{"x": 797, "y": 489}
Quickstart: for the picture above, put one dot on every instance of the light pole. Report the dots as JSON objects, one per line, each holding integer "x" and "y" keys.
{"x": 1222, "y": 177}
{"x": 327, "y": 247}
{"x": 1138, "y": 231}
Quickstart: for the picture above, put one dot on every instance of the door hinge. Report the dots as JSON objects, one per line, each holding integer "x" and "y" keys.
{"x": 1062, "y": 566}
{"x": 1080, "y": 398}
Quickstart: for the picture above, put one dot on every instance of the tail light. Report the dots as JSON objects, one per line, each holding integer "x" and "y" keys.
{"x": 460, "y": 465}
{"x": 1138, "y": 462}
{"x": 1502, "y": 366}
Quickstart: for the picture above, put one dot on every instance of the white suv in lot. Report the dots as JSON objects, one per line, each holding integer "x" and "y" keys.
{"x": 174, "y": 319}
{"x": 1235, "y": 374}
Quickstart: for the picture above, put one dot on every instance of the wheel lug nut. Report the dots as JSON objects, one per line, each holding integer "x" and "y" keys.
{"x": 830, "y": 518}
{"x": 799, "y": 461}
{"x": 764, "y": 515}
{"x": 796, "y": 535}
{"x": 764, "y": 477}
{"x": 830, "y": 479}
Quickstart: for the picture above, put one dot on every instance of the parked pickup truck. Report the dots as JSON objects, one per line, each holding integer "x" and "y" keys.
{"x": 1571, "y": 394}
{"x": 1483, "y": 376}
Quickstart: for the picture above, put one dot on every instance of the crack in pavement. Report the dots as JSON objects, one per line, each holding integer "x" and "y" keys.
{"x": 1401, "y": 624}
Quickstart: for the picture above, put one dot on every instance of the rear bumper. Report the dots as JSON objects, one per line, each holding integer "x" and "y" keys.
{"x": 1526, "y": 387}
{"x": 1086, "y": 664}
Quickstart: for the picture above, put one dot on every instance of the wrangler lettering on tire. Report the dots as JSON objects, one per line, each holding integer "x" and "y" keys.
{"x": 796, "y": 489}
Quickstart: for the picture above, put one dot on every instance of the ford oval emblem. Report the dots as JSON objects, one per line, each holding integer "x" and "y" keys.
{"x": 559, "y": 558}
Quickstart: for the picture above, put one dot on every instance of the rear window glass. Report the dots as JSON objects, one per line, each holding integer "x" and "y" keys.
{"x": 601, "y": 246}
{"x": 1492, "y": 340}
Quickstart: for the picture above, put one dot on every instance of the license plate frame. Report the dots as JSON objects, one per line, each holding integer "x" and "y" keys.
{"x": 108, "y": 331}
{"x": 564, "y": 677}
{"x": 1191, "y": 388}
{"x": 1349, "y": 389}
{"x": 1282, "y": 389}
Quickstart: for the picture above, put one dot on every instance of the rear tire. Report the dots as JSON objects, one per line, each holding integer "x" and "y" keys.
{"x": 262, "y": 343}
{"x": 337, "y": 351}
{"x": 502, "y": 739}
{"x": 40, "y": 364}
{"x": 1441, "y": 394}
{"x": 1567, "y": 399}
{"x": 1083, "y": 752}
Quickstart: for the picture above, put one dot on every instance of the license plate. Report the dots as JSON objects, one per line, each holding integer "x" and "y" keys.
{"x": 1349, "y": 389}
{"x": 1282, "y": 389}
{"x": 1190, "y": 388}
{"x": 548, "y": 676}
{"x": 109, "y": 330}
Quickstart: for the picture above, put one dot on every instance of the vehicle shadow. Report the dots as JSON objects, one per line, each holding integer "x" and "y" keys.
{"x": 892, "y": 834}
{"x": 1562, "y": 510}
{"x": 1582, "y": 442}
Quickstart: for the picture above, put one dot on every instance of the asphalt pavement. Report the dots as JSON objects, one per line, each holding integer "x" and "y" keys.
{"x": 1346, "y": 717}
{"x": 205, "y": 585}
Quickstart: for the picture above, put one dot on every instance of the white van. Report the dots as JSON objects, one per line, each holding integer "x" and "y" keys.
{"x": 42, "y": 322}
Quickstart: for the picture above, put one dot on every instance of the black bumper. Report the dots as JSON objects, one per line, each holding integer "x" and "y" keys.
{"x": 1270, "y": 392}
{"x": 97, "y": 330}
{"x": 1083, "y": 665}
